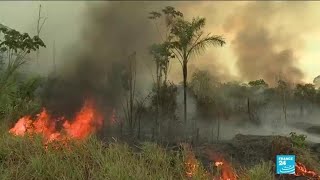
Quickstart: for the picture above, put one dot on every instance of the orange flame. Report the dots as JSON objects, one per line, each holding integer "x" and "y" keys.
{"x": 301, "y": 170}
{"x": 191, "y": 164}
{"x": 226, "y": 172}
{"x": 86, "y": 121}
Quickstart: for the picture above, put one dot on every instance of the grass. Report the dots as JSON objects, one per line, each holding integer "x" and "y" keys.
{"x": 26, "y": 158}
{"x": 258, "y": 172}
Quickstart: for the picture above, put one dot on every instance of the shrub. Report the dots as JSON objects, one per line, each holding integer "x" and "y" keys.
{"x": 258, "y": 172}
{"x": 298, "y": 140}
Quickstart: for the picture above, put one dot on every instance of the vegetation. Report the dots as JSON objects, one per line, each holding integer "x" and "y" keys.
{"x": 185, "y": 39}
{"x": 259, "y": 171}
{"x": 16, "y": 92}
{"x": 298, "y": 140}
{"x": 26, "y": 158}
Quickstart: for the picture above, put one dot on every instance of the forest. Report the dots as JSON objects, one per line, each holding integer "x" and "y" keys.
{"x": 60, "y": 126}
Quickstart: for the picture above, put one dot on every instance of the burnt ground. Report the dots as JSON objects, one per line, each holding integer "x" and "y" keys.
{"x": 249, "y": 150}
{"x": 313, "y": 130}
{"x": 308, "y": 127}
{"x": 245, "y": 151}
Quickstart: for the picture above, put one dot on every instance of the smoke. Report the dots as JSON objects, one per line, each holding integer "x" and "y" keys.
{"x": 111, "y": 33}
{"x": 316, "y": 81}
{"x": 262, "y": 49}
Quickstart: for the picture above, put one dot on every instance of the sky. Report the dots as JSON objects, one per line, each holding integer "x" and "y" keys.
{"x": 264, "y": 39}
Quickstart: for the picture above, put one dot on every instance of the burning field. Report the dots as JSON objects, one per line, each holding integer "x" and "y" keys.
{"x": 31, "y": 144}
{"x": 153, "y": 113}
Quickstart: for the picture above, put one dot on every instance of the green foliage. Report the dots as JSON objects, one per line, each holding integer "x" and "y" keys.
{"x": 308, "y": 158}
{"x": 167, "y": 99}
{"x": 16, "y": 41}
{"x": 258, "y": 83}
{"x": 187, "y": 37}
{"x": 258, "y": 172}
{"x": 298, "y": 140}
{"x": 203, "y": 86}
{"x": 17, "y": 95}
{"x": 305, "y": 91}
{"x": 19, "y": 99}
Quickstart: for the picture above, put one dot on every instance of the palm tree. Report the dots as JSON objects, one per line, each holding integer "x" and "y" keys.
{"x": 187, "y": 39}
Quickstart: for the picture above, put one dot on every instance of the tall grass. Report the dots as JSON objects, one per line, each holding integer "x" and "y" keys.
{"x": 262, "y": 171}
{"x": 26, "y": 158}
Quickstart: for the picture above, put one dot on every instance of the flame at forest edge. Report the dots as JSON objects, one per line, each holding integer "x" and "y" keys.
{"x": 87, "y": 121}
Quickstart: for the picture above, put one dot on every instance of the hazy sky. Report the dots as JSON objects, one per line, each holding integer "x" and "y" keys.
{"x": 287, "y": 32}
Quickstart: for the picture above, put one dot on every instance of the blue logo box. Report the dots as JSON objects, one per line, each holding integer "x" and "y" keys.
{"x": 285, "y": 164}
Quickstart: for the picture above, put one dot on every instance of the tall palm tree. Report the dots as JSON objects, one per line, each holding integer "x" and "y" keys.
{"x": 187, "y": 39}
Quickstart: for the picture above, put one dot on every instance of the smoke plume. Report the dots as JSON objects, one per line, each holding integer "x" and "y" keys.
{"x": 262, "y": 50}
{"x": 112, "y": 32}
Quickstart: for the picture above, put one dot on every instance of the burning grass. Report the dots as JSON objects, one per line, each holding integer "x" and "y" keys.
{"x": 25, "y": 158}
{"x": 86, "y": 121}
{"x": 71, "y": 152}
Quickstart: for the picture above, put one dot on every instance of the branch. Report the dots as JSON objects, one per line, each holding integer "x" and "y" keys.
{"x": 195, "y": 42}
{"x": 42, "y": 24}
{"x": 181, "y": 57}
{"x": 214, "y": 40}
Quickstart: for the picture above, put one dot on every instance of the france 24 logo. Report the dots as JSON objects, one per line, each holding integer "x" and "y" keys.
{"x": 285, "y": 164}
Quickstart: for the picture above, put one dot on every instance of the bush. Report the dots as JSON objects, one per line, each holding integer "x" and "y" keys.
{"x": 258, "y": 172}
{"x": 298, "y": 140}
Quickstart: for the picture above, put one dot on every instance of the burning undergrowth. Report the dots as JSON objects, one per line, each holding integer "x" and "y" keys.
{"x": 87, "y": 121}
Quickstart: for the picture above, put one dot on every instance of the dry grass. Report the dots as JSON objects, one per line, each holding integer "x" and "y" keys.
{"x": 258, "y": 172}
{"x": 26, "y": 158}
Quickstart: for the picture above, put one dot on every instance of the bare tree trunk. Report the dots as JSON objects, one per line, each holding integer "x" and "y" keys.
{"x": 218, "y": 133}
{"x": 284, "y": 107}
{"x": 54, "y": 58}
{"x": 212, "y": 134}
{"x": 185, "y": 95}
{"x": 39, "y": 28}
{"x": 139, "y": 128}
{"x": 197, "y": 135}
{"x": 158, "y": 99}
{"x": 129, "y": 108}
{"x": 249, "y": 110}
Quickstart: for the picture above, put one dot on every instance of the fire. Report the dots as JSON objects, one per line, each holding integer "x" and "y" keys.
{"x": 225, "y": 170}
{"x": 301, "y": 170}
{"x": 191, "y": 165}
{"x": 85, "y": 122}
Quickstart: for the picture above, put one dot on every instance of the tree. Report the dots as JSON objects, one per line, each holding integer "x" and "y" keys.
{"x": 186, "y": 38}
{"x": 306, "y": 92}
{"x": 40, "y": 22}
{"x": 130, "y": 87}
{"x": 255, "y": 98}
{"x": 16, "y": 96}
{"x": 16, "y": 47}
{"x": 162, "y": 55}
{"x": 258, "y": 83}
{"x": 283, "y": 89}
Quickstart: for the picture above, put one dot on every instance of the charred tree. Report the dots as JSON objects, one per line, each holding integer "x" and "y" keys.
{"x": 40, "y": 22}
